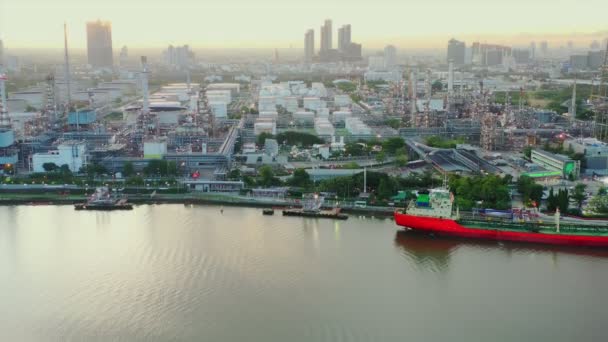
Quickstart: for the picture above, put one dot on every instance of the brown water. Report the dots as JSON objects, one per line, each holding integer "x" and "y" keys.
{"x": 180, "y": 273}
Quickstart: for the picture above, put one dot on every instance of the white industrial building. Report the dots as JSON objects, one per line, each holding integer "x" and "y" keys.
{"x": 219, "y": 109}
{"x": 70, "y": 153}
{"x": 356, "y": 127}
{"x": 271, "y": 147}
{"x": 342, "y": 100}
{"x": 340, "y": 116}
{"x": 267, "y": 104}
{"x": 269, "y": 115}
{"x": 323, "y": 113}
{"x": 388, "y": 76}
{"x": 304, "y": 117}
{"x": 265, "y": 126}
{"x": 312, "y": 103}
{"x": 324, "y": 127}
{"x": 219, "y": 95}
{"x": 234, "y": 88}
{"x": 33, "y": 98}
{"x": 155, "y": 149}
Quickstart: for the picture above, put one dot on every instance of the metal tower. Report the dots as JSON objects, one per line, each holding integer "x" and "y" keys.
{"x": 4, "y": 118}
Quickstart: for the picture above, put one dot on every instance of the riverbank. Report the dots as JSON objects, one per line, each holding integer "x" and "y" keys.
{"x": 186, "y": 199}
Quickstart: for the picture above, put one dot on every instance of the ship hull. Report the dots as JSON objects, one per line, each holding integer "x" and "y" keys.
{"x": 451, "y": 228}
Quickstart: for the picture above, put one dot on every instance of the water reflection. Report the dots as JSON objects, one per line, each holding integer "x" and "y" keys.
{"x": 435, "y": 252}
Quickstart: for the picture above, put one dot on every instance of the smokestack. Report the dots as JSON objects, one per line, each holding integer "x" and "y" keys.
{"x": 144, "y": 85}
{"x": 573, "y": 105}
{"x": 67, "y": 67}
{"x": 414, "y": 97}
{"x": 450, "y": 77}
{"x": 4, "y": 120}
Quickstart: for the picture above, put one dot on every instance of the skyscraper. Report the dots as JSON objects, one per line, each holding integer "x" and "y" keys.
{"x": 99, "y": 44}
{"x": 124, "y": 56}
{"x": 456, "y": 51}
{"x": 309, "y": 45}
{"x": 544, "y": 48}
{"x": 326, "y": 36}
{"x": 390, "y": 56}
{"x": 533, "y": 50}
{"x": 344, "y": 37}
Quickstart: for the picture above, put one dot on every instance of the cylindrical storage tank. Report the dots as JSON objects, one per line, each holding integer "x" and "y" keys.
{"x": 7, "y": 137}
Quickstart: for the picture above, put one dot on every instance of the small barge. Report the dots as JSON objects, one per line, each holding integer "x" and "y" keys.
{"x": 311, "y": 207}
{"x": 331, "y": 214}
{"x": 103, "y": 199}
{"x": 268, "y": 212}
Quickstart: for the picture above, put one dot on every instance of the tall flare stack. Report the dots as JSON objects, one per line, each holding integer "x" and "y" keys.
{"x": 67, "y": 67}
{"x": 4, "y": 119}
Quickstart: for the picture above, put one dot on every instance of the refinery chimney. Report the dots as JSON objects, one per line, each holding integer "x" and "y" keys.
{"x": 67, "y": 67}
{"x": 144, "y": 85}
{"x": 573, "y": 104}
{"x": 450, "y": 77}
{"x": 4, "y": 120}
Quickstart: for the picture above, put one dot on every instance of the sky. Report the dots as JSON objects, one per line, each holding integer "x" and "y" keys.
{"x": 282, "y": 23}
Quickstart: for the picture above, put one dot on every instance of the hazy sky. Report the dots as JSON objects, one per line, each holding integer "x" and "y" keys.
{"x": 282, "y": 23}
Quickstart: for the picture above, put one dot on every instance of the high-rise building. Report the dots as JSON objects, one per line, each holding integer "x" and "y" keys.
{"x": 344, "y": 37}
{"x": 544, "y": 48}
{"x": 570, "y": 45}
{"x": 124, "y": 56}
{"x": 179, "y": 56}
{"x": 595, "y": 45}
{"x": 390, "y": 56}
{"x": 326, "y": 36}
{"x": 456, "y": 51}
{"x": 99, "y": 44}
{"x": 533, "y": 50}
{"x": 309, "y": 45}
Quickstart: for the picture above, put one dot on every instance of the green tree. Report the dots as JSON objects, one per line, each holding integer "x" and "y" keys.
{"x": 261, "y": 139}
{"x": 393, "y": 123}
{"x": 391, "y": 145}
{"x": 599, "y": 204}
{"x": 156, "y": 167}
{"x": 267, "y": 177}
{"x": 300, "y": 178}
{"x": 528, "y": 152}
{"x": 579, "y": 194}
{"x": 552, "y": 201}
{"x": 298, "y": 138}
{"x": 234, "y": 174}
{"x": 381, "y": 157}
{"x": 128, "y": 169}
{"x": 49, "y": 167}
{"x": 171, "y": 168}
{"x": 385, "y": 188}
{"x": 437, "y": 86}
{"x": 401, "y": 160}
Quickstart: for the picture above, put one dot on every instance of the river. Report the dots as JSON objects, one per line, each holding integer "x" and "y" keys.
{"x": 193, "y": 273}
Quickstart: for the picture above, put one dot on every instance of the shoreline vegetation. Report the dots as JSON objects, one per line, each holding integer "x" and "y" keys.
{"x": 13, "y": 199}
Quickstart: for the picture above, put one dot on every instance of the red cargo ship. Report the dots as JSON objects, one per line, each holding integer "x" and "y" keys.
{"x": 432, "y": 213}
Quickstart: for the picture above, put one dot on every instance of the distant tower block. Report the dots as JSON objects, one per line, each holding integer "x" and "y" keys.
{"x": 450, "y": 78}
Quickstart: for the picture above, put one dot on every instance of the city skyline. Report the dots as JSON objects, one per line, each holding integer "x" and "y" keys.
{"x": 212, "y": 25}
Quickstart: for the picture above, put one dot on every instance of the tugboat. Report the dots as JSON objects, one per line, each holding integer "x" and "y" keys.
{"x": 311, "y": 207}
{"x": 268, "y": 211}
{"x": 103, "y": 199}
{"x": 432, "y": 213}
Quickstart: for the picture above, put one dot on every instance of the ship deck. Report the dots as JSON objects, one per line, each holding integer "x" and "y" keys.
{"x": 536, "y": 227}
